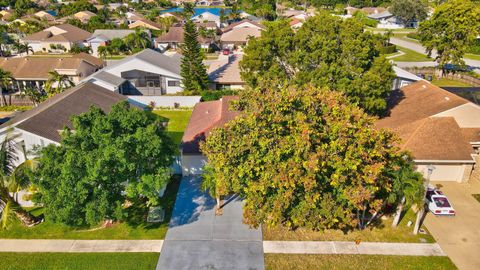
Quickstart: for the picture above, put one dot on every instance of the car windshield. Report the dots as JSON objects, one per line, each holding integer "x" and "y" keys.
{"x": 441, "y": 202}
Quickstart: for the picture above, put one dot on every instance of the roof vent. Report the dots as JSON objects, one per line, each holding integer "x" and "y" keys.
{"x": 207, "y": 111}
{"x": 424, "y": 86}
{"x": 447, "y": 98}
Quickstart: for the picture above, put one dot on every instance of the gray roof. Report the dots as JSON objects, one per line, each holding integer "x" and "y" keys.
{"x": 110, "y": 34}
{"x": 381, "y": 15}
{"x": 55, "y": 113}
{"x": 108, "y": 78}
{"x": 152, "y": 57}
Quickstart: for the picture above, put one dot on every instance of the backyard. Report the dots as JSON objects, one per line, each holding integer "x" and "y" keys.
{"x": 177, "y": 122}
{"x": 355, "y": 262}
{"x": 381, "y": 232}
{"x": 83, "y": 261}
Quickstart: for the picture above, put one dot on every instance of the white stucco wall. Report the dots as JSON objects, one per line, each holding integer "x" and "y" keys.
{"x": 165, "y": 101}
{"x": 193, "y": 164}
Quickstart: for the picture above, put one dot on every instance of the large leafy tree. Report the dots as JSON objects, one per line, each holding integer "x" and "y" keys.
{"x": 409, "y": 11}
{"x": 451, "y": 30}
{"x": 105, "y": 156}
{"x": 193, "y": 71}
{"x": 261, "y": 8}
{"x": 304, "y": 157}
{"x": 325, "y": 51}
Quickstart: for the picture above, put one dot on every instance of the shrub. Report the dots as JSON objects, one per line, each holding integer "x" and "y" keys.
{"x": 388, "y": 49}
{"x": 413, "y": 36}
{"x": 209, "y": 95}
{"x": 475, "y": 47}
{"x": 10, "y": 108}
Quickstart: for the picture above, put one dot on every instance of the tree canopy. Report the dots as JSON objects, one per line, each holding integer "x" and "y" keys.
{"x": 453, "y": 27}
{"x": 409, "y": 11}
{"x": 304, "y": 157}
{"x": 261, "y": 8}
{"x": 325, "y": 51}
{"x": 105, "y": 156}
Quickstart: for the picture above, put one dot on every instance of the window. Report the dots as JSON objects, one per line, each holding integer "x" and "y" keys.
{"x": 174, "y": 83}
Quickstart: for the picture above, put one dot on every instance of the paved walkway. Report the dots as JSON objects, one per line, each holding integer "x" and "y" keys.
{"x": 370, "y": 248}
{"x": 197, "y": 239}
{"x": 51, "y": 245}
{"x": 459, "y": 236}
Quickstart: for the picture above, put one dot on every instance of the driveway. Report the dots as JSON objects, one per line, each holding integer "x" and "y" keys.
{"x": 197, "y": 239}
{"x": 459, "y": 236}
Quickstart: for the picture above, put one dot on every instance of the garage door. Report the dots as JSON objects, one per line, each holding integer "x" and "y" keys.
{"x": 193, "y": 164}
{"x": 444, "y": 172}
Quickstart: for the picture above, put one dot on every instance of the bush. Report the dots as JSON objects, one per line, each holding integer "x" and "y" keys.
{"x": 413, "y": 36}
{"x": 10, "y": 108}
{"x": 209, "y": 95}
{"x": 475, "y": 47}
{"x": 388, "y": 49}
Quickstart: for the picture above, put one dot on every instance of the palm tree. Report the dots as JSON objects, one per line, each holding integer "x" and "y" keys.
{"x": 102, "y": 52}
{"x": 33, "y": 94}
{"x": 62, "y": 82}
{"x": 5, "y": 79}
{"x": 139, "y": 39}
{"x": 23, "y": 48}
{"x": 16, "y": 177}
{"x": 411, "y": 191}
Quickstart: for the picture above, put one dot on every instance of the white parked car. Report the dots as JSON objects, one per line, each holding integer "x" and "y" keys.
{"x": 438, "y": 203}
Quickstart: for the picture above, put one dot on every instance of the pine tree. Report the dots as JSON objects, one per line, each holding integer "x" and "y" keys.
{"x": 193, "y": 70}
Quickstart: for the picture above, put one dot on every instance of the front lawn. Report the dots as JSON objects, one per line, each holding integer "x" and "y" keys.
{"x": 444, "y": 82}
{"x": 382, "y": 232}
{"x": 472, "y": 56}
{"x": 177, "y": 122}
{"x": 134, "y": 226}
{"x": 355, "y": 262}
{"x": 81, "y": 261}
{"x": 410, "y": 56}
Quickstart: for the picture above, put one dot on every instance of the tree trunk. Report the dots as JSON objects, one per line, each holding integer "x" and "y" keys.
{"x": 396, "y": 220}
{"x": 420, "y": 213}
{"x": 218, "y": 203}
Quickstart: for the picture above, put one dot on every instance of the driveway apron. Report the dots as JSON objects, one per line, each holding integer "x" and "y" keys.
{"x": 197, "y": 239}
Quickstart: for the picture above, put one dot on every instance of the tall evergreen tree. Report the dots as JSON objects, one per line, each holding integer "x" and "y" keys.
{"x": 193, "y": 71}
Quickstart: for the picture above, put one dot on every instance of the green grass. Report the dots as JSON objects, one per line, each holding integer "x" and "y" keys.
{"x": 81, "y": 261}
{"x": 379, "y": 232}
{"x": 410, "y": 56}
{"x": 115, "y": 57}
{"x": 355, "y": 262}
{"x": 403, "y": 36}
{"x": 444, "y": 82}
{"x": 134, "y": 227}
{"x": 177, "y": 122}
{"x": 472, "y": 56}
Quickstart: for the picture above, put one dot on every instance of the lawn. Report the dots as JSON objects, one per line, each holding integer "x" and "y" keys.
{"x": 410, "y": 56}
{"x": 403, "y": 36}
{"x": 444, "y": 82}
{"x": 472, "y": 56}
{"x": 134, "y": 227}
{"x": 381, "y": 232}
{"x": 79, "y": 261}
{"x": 355, "y": 262}
{"x": 177, "y": 122}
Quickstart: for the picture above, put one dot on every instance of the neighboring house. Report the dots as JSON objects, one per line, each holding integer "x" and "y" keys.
{"x": 174, "y": 37}
{"x": 207, "y": 17}
{"x": 225, "y": 73}
{"x": 133, "y": 17}
{"x": 147, "y": 73}
{"x": 205, "y": 117}
{"x": 243, "y": 24}
{"x": 44, "y": 124}
{"x": 439, "y": 128}
{"x": 44, "y": 15}
{"x": 144, "y": 23}
{"x": 33, "y": 71}
{"x": 350, "y": 10}
{"x": 296, "y": 24}
{"x": 82, "y": 16}
{"x": 238, "y": 37}
{"x": 58, "y": 38}
{"x": 403, "y": 78}
{"x": 373, "y": 10}
{"x": 207, "y": 26}
{"x": 387, "y": 20}
{"x": 101, "y": 37}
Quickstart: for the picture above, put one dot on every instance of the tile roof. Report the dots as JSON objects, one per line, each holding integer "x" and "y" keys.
{"x": 205, "y": 117}
{"x": 412, "y": 117}
{"x": 240, "y": 34}
{"x": 54, "y": 114}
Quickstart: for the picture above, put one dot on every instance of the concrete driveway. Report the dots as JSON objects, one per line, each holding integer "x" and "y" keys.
{"x": 197, "y": 239}
{"x": 459, "y": 236}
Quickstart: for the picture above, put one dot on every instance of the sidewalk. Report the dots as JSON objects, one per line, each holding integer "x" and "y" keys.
{"x": 369, "y": 248}
{"x": 46, "y": 245}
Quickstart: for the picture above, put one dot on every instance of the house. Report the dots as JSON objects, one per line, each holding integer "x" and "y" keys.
{"x": 5, "y": 15}
{"x": 403, "y": 78}
{"x": 373, "y": 10}
{"x": 147, "y": 73}
{"x": 238, "y": 37}
{"x": 243, "y": 24}
{"x": 174, "y": 37}
{"x": 224, "y": 73}
{"x": 144, "y": 23}
{"x": 207, "y": 17}
{"x": 44, "y": 124}
{"x": 439, "y": 128}
{"x": 133, "y": 16}
{"x": 57, "y": 38}
{"x": 205, "y": 117}
{"x": 33, "y": 71}
{"x": 350, "y": 10}
{"x": 44, "y": 15}
{"x": 388, "y": 20}
{"x": 296, "y": 24}
{"x": 82, "y": 16}
{"x": 101, "y": 37}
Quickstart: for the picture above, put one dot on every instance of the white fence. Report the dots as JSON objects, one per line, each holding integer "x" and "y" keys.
{"x": 165, "y": 101}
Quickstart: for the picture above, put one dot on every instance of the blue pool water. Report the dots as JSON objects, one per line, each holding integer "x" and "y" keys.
{"x": 198, "y": 10}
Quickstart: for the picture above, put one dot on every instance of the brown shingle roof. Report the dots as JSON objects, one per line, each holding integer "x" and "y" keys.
{"x": 71, "y": 34}
{"x": 240, "y": 35}
{"x": 231, "y": 26}
{"x": 412, "y": 116}
{"x": 175, "y": 34}
{"x": 54, "y": 114}
{"x": 205, "y": 117}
